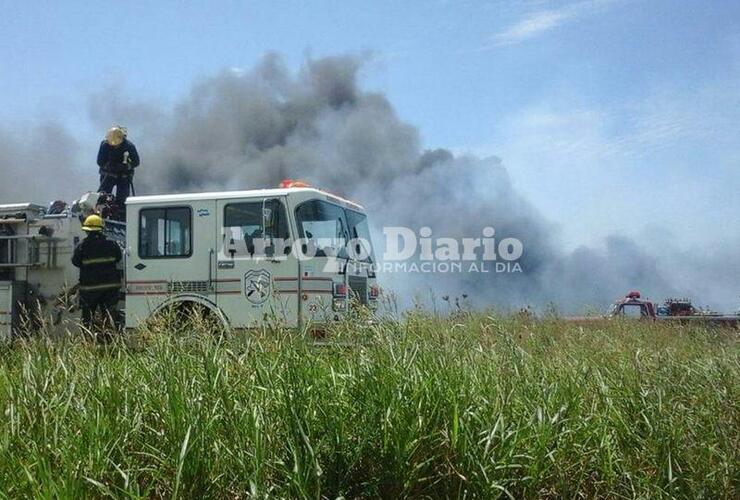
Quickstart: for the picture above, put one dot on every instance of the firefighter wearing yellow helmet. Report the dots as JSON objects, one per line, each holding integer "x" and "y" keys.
{"x": 117, "y": 159}
{"x": 100, "y": 281}
{"x": 93, "y": 223}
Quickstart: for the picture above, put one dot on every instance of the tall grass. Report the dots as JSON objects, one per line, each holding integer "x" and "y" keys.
{"x": 476, "y": 406}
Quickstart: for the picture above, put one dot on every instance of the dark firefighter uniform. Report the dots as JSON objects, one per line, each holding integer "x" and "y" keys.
{"x": 117, "y": 158}
{"x": 100, "y": 281}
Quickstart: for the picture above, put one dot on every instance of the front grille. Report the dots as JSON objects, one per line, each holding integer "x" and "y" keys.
{"x": 187, "y": 286}
{"x": 358, "y": 288}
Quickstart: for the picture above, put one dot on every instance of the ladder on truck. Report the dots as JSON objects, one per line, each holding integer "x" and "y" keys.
{"x": 26, "y": 250}
{"x": 19, "y": 253}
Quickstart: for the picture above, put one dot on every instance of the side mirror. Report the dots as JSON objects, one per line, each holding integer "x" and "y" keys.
{"x": 269, "y": 226}
{"x": 267, "y": 219}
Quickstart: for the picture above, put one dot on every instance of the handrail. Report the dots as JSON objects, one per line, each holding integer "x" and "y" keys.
{"x": 32, "y": 237}
{"x": 33, "y": 251}
{"x": 210, "y": 269}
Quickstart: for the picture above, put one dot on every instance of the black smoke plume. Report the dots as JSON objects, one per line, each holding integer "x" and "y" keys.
{"x": 251, "y": 129}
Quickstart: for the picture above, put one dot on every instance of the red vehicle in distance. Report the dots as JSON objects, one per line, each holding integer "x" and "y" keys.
{"x": 633, "y": 306}
{"x": 677, "y": 310}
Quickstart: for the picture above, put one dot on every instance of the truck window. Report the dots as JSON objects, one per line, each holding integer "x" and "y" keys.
{"x": 325, "y": 224}
{"x": 165, "y": 232}
{"x": 243, "y": 221}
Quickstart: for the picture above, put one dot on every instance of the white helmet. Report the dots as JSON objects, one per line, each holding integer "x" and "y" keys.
{"x": 115, "y": 135}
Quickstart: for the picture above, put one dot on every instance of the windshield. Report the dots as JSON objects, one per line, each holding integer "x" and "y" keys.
{"x": 632, "y": 310}
{"x": 359, "y": 231}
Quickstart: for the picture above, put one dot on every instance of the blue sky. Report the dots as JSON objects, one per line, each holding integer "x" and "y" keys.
{"x": 611, "y": 115}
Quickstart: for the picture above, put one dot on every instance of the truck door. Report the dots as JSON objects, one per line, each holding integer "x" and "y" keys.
{"x": 170, "y": 256}
{"x": 256, "y": 275}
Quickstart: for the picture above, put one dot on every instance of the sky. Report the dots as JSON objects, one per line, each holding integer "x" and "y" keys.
{"x": 611, "y": 116}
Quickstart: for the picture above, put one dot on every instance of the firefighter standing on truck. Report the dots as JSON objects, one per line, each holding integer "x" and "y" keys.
{"x": 100, "y": 281}
{"x": 117, "y": 159}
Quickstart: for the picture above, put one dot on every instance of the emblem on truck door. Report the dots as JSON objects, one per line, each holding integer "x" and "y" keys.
{"x": 257, "y": 286}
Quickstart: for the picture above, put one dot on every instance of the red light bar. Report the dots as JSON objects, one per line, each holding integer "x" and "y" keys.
{"x": 634, "y": 294}
{"x": 290, "y": 183}
{"x": 340, "y": 290}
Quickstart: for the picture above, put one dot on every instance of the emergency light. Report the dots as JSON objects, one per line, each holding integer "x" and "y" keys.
{"x": 290, "y": 183}
{"x": 340, "y": 290}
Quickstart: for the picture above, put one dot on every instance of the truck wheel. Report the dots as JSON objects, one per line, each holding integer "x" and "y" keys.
{"x": 184, "y": 318}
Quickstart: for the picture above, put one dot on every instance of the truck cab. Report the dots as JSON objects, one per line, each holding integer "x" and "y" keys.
{"x": 633, "y": 306}
{"x": 294, "y": 255}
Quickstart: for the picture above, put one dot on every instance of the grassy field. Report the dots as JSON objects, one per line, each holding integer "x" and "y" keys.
{"x": 477, "y": 406}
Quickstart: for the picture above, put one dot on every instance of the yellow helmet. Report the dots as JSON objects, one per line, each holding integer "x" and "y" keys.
{"x": 115, "y": 135}
{"x": 93, "y": 223}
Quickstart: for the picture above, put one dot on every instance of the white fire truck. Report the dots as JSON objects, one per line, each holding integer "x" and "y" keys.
{"x": 294, "y": 255}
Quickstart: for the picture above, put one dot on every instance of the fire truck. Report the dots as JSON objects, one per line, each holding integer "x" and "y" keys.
{"x": 295, "y": 254}
{"x": 633, "y": 305}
